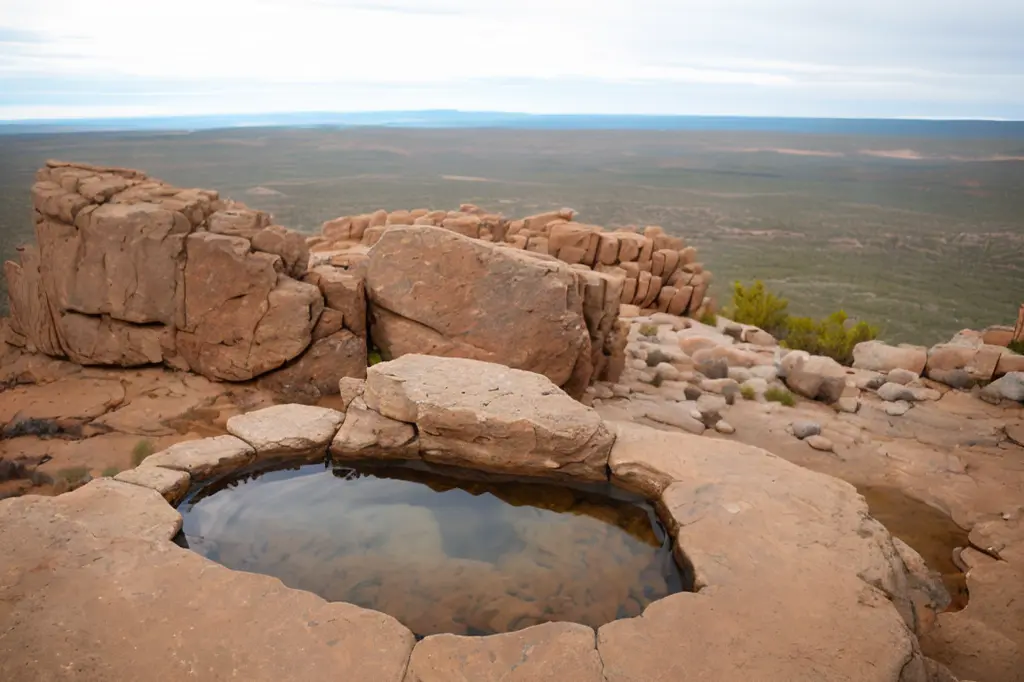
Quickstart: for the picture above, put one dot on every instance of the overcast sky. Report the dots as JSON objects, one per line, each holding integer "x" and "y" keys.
{"x": 888, "y": 58}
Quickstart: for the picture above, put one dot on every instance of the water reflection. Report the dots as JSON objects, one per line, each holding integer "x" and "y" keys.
{"x": 465, "y": 554}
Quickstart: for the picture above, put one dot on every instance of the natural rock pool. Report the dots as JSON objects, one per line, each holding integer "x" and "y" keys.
{"x": 440, "y": 551}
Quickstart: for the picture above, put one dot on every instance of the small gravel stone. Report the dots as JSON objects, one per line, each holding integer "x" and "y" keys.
{"x": 725, "y": 427}
{"x": 897, "y": 409}
{"x": 804, "y": 428}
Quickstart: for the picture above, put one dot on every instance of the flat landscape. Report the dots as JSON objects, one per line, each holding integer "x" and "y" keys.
{"x": 922, "y": 236}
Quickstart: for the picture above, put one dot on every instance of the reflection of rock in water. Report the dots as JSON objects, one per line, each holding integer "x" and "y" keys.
{"x": 440, "y": 558}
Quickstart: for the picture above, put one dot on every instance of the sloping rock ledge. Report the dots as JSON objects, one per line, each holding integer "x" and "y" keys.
{"x": 795, "y": 580}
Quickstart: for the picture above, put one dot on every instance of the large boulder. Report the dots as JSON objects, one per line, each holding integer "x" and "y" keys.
{"x": 434, "y": 291}
{"x": 977, "y": 359}
{"x": 240, "y": 317}
{"x": 814, "y": 376}
{"x": 1008, "y": 387}
{"x": 878, "y": 356}
{"x": 490, "y": 417}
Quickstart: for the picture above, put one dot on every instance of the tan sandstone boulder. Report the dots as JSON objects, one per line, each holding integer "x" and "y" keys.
{"x": 291, "y": 431}
{"x": 490, "y": 417}
{"x": 881, "y": 357}
{"x": 437, "y": 292}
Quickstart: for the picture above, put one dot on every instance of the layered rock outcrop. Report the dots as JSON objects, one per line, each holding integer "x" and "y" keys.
{"x": 129, "y": 271}
{"x": 491, "y": 276}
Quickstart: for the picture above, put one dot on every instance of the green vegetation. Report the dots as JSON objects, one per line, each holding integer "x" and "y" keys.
{"x": 374, "y": 358}
{"x": 748, "y": 392}
{"x": 759, "y": 307}
{"x": 650, "y": 330}
{"x": 1016, "y": 347}
{"x": 931, "y": 248}
{"x": 834, "y": 335}
{"x": 779, "y": 395}
{"x": 142, "y": 450}
{"x": 73, "y": 474}
{"x": 709, "y": 318}
{"x": 110, "y": 472}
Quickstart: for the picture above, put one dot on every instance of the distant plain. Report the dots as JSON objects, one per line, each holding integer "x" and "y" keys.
{"x": 921, "y": 235}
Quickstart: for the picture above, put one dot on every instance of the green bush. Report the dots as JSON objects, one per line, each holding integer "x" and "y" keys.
{"x": 648, "y": 330}
{"x": 831, "y": 336}
{"x": 709, "y": 318}
{"x": 142, "y": 450}
{"x": 1016, "y": 347}
{"x": 748, "y": 392}
{"x": 759, "y": 307}
{"x": 374, "y": 358}
{"x": 780, "y": 395}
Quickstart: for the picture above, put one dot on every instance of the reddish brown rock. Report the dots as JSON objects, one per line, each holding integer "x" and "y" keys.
{"x": 553, "y": 652}
{"x": 437, "y": 292}
{"x": 490, "y": 417}
{"x": 288, "y": 244}
{"x": 240, "y": 318}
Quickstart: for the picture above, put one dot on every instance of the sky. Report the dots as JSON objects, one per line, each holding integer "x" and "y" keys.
{"x": 845, "y": 58}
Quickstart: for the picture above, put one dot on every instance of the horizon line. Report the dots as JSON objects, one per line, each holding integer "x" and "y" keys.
{"x": 53, "y": 120}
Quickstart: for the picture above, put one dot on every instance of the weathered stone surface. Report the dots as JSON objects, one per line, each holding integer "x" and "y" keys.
{"x": 170, "y": 483}
{"x": 490, "y": 417}
{"x": 366, "y": 433}
{"x": 288, "y": 244}
{"x": 433, "y": 291}
{"x": 127, "y": 263}
{"x": 711, "y": 491}
{"x": 240, "y": 317}
{"x": 31, "y": 317}
{"x": 814, "y": 376}
{"x": 1009, "y": 362}
{"x": 301, "y": 431}
{"x": 1007, "y": 387}
{"x": 350, "y": 388}
{"x": 204, "y": 458}
{"x": 881, "y": 357}
{"x": 553, "y": 652}
{"x": 238, "y": 222}
{"x": 122, "y": 602}
{"x": 91, "y": 340}
{"x": 343, "y": 291}
{"x": 820, "y": 443}
{"x": 894, "y": 392}
{"x": 317, "y": 371}
{"x": 979, "y": 361}
{"x": 804, "y": 428}
{"x": 901, "y": 376}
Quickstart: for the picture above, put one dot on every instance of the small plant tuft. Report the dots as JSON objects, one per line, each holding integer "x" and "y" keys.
{"x": 142, "y": 450}
{"x": 748, "y": 392}
{"x": 374, "y": 358}
{"x": 648, "y": 330}
{"x": 110, "y": 472}
{"x": 73, "y": 474}
{"x": 1016, "y": 347}
{"x": 780, "y": 395}
{"x": 709, "y": 318}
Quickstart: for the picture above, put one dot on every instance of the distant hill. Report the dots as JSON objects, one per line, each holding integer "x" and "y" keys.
{"x": 486, "y": 119}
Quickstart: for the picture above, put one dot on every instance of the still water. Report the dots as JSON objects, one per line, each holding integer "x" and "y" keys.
{"x": 437, "y": 550}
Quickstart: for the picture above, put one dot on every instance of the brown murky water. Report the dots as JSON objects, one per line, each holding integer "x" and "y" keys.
{"x": 438, "y": 552}
{"x": 931, "y": 533}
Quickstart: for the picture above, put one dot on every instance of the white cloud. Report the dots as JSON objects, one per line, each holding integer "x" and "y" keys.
{"x": 889, "y": 51}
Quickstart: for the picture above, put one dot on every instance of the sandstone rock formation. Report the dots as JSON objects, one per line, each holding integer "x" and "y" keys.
{"x": 436, "y": 292}
{"x": 827, "y": 594}
{"x": 131, "y": 271}
{"x": 471, "y": 413}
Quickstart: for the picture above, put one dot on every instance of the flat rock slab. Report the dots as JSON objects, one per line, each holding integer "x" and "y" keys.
{"x": 170, "y": 483}
{"x": 119, "y": 601}
{"x": 287, "y": 430}
{"x": 367, "y": 434}
{"x": 205, "y": 457}
{"x": 554, "y": 652}
{"x": 490, "y": 417}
